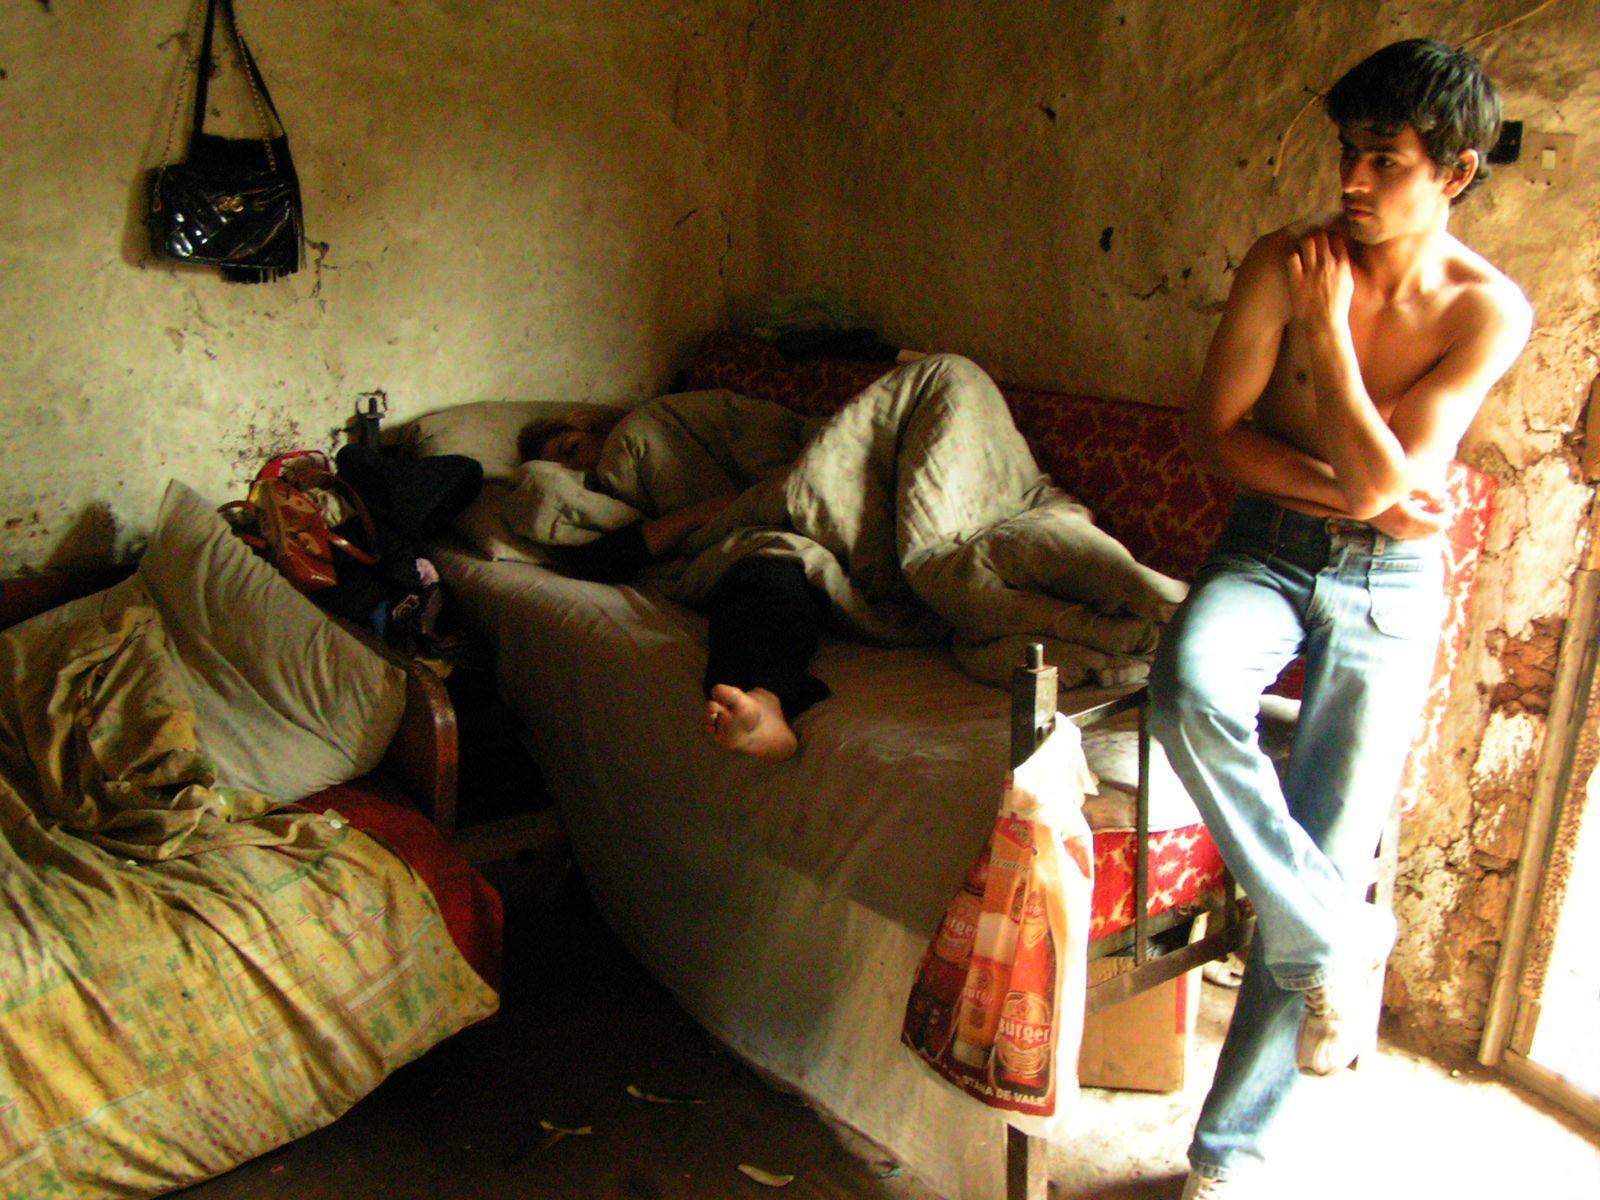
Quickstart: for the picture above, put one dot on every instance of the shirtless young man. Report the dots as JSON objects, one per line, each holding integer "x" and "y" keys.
{"x": 1353, "y": 353}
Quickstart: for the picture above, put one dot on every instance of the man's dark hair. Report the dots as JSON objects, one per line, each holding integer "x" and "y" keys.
{"x": 1439, "y": 91}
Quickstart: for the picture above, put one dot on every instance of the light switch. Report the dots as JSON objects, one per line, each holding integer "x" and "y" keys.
{"x": 1547, "y": 158}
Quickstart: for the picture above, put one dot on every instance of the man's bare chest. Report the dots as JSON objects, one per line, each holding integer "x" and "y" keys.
{"x": 1394, "y": 351}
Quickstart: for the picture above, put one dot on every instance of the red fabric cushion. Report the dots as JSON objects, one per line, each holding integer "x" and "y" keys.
{"x": 471, "y": 908}
{"x": 752, "y": 367}
{"x": 1185, "y": 871}
{"x": 1128, "y": 462}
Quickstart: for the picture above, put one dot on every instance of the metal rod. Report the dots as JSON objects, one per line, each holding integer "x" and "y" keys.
{"x": 1141, "y": 849}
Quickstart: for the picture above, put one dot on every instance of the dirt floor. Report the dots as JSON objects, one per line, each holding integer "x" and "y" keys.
{"x": 582, "y": 1022}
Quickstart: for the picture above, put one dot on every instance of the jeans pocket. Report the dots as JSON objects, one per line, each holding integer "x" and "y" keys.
{"x": 1406, "y": 593}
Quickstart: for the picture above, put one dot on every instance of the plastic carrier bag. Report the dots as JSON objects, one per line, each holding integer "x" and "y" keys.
{"x": 997, "y": 1005}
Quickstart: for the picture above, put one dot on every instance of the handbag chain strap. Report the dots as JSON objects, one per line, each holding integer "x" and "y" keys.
{"x": 260, "y": 97}
{"x": 200, "y": 66}
{"x": 191, "y": 61}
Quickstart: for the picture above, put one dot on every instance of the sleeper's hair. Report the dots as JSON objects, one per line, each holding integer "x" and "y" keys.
{"x": 531, "y": 440}
{"x": 1439, "y": 91}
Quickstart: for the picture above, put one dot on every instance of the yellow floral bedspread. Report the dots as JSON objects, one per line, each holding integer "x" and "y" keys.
{"x": 189, "y": 975}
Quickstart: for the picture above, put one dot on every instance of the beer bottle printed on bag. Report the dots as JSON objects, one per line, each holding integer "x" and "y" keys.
{"x": 995, "y": 943}
{"x": 1026, "y": 1036}
{"x": 930, "y": 1012}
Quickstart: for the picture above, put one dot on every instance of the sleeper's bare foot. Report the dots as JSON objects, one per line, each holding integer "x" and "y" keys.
{"x": 749, "y": 723}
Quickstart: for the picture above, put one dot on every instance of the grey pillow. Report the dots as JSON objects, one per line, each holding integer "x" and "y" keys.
{"x": 485, "y": 430}
{"x": 286, "y": 701}
{"x": 484, "y": 527}
{"x": 552, "y": 505}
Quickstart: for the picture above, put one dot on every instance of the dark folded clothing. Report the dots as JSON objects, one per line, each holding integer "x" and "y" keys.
{"x": 417, "y": 497}
{"x": 862, "y": 345}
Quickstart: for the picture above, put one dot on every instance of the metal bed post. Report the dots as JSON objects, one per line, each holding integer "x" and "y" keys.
{"x": 1033, "y": 716}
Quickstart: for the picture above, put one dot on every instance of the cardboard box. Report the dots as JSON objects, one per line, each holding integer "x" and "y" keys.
{"x": 1146, "y": 1043}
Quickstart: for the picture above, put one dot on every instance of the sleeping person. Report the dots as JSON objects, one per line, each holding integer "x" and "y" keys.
{"x": 914, "y": 515}
{"x": 763, "y": 618}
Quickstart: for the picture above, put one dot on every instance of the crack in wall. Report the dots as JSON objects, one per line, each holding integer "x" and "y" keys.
{"x": 1530, "y": 667}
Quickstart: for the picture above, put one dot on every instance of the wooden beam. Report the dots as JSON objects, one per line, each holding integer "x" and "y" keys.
{"x": 1575, "y": 678}
{"x": 1553, "y": 1086}
{"x": 1158, "y": 970}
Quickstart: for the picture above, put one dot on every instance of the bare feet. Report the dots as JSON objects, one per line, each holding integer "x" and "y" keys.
{"x": 749, "y": 723}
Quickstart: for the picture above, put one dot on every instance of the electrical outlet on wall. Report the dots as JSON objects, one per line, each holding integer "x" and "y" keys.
{"x": 1547, "y": 157}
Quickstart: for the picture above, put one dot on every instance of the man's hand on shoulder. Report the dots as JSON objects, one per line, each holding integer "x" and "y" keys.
{"x": 1320, "y": 281}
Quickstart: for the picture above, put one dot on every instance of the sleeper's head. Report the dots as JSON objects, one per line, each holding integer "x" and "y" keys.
{"x": 573, "y": 439}
{"x": 1431, "y": 87}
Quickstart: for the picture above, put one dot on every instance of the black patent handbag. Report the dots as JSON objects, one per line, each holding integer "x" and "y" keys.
{"x": 232, "y": 203}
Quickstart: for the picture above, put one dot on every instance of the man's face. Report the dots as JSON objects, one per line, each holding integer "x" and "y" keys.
{"x": 1389, "y": 185}
{"x": 575, "y": 448}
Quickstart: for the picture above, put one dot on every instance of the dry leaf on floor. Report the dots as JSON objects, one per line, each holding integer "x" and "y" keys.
{"x": 554, "y": 1133}
{"x": 638, "y": 1093}
{"x": 766, "y": 1178}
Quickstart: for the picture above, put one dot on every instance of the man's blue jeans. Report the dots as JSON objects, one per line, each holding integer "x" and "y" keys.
{"x": 1365, "y": 610}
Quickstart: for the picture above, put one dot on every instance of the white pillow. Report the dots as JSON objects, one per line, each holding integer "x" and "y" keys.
{"x": 483, "y": 526}
{"x": 486, "y": 430}
{"x": 552, "y": 505}
{"x": 286, "y": 702}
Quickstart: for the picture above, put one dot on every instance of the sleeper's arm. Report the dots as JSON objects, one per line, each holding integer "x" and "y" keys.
{"x": 618, "y": 556}
{"x": 613, "y": 557}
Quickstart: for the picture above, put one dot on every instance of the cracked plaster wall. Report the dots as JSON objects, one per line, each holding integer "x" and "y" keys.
{"x": 1063, "y": 192}
{"x": 504, "y": 200}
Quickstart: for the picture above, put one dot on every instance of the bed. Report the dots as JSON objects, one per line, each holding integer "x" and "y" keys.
{"x": 788, "y": 907}
{"x": 193, "y": 970}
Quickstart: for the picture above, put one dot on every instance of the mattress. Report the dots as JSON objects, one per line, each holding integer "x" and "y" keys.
{"x": 785, "y": 905}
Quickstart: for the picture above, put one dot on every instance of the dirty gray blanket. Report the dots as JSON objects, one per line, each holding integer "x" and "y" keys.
{"x": 917, "y": 508}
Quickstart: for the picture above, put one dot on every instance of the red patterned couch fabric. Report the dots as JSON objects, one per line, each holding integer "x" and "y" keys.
{"x": 1128, "y": 462}
{"x": 469, "y": 906}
